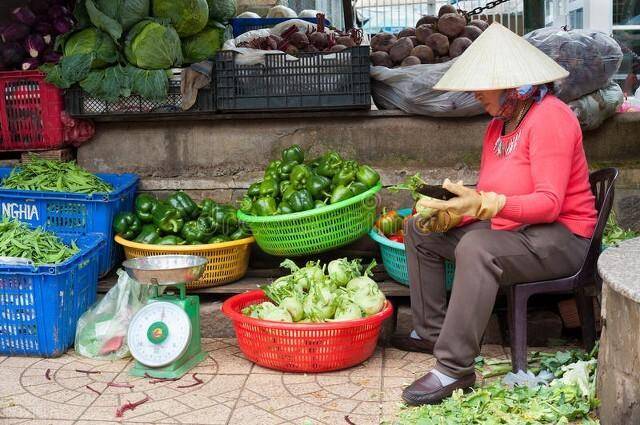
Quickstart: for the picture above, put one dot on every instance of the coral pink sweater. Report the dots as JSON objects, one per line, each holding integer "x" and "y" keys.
{"x": 544, "y": 173}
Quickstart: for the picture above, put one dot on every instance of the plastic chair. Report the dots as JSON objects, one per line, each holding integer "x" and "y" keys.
{"x": 602, "y": 186}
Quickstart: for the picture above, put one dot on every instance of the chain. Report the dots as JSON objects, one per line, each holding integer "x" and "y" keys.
{"x": 478, "y": 10}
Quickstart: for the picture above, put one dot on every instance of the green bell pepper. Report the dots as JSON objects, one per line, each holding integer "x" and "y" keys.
{"x": 284, "y": 170}
{"x": 318, "y": 186}
{"x": 149, "y": 234}
{"x": 271, "y": 173}
{"x": 283, "y": 185}
{"x": 284, "y": 208}
{"x": 330, "y": 164}
{"x": 269, "y": 188}
{"x": 127, "y": 225}
{"x": 357, "y": 188}
{"x": 208, "y": 225}
{"x": 226, "y": 217}
{"x": 265, "y": 205}
{"x": 170, "y": 240}
{"x": 193, "y": 232}
{"x": 144, "y": 206}
{"x": 367, "y": 176}
{"x": 241, "y": 233}
{"x": 218, "y": 239}
{"x": 293, "y": 153}
{"x": 254, "y": 190}
{"x": 206, "y": 207}
{"x": 167, "y": 218}
{"x": 301, "y": 201}
{"x": 184, "y": 204}
{"x": 246, "y": 205}
{"x": 290, "y": 190}
{"x": 319, "y": 204}
{"x": 346, "y": 175}
{"x": 313, "y": 164}
{"x": 299, "y": 176}
{"x": 340, "y": 193}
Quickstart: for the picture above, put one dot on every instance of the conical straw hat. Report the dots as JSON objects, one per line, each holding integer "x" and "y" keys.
{"x": 500, "y": 59}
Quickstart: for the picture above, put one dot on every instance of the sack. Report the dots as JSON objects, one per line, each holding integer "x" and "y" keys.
{"x": 593, "y": 109}
{"x": 410, "y": 89}
{"x": 102, "y": 330}
{"x": 591, "y": 57}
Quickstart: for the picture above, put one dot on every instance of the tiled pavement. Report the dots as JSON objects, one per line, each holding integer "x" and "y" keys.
{"x": 235, "y": 391}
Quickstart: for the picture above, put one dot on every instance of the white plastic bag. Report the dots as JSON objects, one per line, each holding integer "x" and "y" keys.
{"x": 591, "y": 57}
{"x": 102, "y": 330}
{"x": 593, "y": 109}
{"x": 410, "y": 89}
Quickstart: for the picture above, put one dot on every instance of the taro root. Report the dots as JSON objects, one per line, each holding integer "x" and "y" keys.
{"x": 337, "y": 48}
{"x": 299, "y": 40}
{"x": 346, "y": 41}
{"x": 439, "y": 43}
{"x": 401, "y": 49}
{"x": 458, "y": 46}
{"x": 319, "y": 39}
{"x": 423, "y": 32}
{"x": 451, "y": 24}
{"x": 471, "y": 32}
{"x": 483, "y": 25}
{"x": 381, "y": 59}
{"x": 310, "y": 49}
{"x": 427, "y": 19}
{"x": 383, "y": 42}
{"x": 415, "y": 41}
{"x": 292, "y": 50}
{"x": 447, "y": 8}
{"x": 410, "y": 60}
{"x": 424, "y": 53}
{"x": 407, "y": 32}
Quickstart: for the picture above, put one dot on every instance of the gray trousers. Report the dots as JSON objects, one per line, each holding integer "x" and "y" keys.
{"x": 485, "y": 259}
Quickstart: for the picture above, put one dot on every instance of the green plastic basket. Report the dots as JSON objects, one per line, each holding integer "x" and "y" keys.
{"x": 314, "y": 231}
{"x": 394, "y": 257}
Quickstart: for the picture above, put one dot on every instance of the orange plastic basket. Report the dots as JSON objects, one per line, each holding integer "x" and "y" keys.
{"x": 228, "y": 261}
{"x": 303, "y": 347}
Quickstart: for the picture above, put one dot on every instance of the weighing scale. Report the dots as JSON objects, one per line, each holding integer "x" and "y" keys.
{"x": 164, "y": 335}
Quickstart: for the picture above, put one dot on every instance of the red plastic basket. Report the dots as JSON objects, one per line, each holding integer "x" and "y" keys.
{"x": 29, "y": 112}
{"x": 297, "y": 347}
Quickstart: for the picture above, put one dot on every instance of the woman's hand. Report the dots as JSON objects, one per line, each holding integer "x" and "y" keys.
{"x": 469, "y": 202}
{"x": 441, "y": 222}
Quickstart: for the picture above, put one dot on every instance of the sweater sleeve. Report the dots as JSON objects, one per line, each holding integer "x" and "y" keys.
{"x": 551, "y": 148}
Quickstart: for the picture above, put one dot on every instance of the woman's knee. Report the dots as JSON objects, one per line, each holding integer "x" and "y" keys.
{"x": 473, "y": 246}
{"x": 414, "y": 237}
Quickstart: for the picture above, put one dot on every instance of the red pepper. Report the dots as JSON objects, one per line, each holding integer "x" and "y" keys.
{"x": 397, "y": 237}
{"x": 389, "y": 222}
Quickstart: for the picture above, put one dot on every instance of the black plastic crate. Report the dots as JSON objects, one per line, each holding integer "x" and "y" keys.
{"x": 315, "y": 81}
{"x": 80, "y": 103}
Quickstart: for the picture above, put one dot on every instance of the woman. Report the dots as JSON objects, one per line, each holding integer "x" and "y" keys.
{"x": 530, "y": 218}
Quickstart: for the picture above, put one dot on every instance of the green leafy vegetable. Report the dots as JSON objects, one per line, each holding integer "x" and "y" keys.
{"x": 91, "y": 41}
{"x": 614, "y": 234}
{"x": 54, "y": 176}
{"x": 188, "y": 17}
{"x": 102, "y": 21}
{"x": 152, "y": 45}
{"x": 222, "y": 10}
{"x": 115, "y": 16}
{"x": 37, "y": 245}
{"x": 203, "y": 45}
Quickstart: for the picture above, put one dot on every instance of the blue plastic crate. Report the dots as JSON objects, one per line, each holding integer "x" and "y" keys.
{"x": 242, "y": 25}
{"x": 40, "y": 306}
{"x": 74, "y": 213}
{"x": 394, "y": 258}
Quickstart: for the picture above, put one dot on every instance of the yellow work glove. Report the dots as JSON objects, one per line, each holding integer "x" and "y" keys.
{"x": 440, "y": 222}
{"x": 468, "y": 202}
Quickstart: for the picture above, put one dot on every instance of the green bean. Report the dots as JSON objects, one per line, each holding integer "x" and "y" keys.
{"x": 40, "y": 246}
{"x": 54, "y": 176}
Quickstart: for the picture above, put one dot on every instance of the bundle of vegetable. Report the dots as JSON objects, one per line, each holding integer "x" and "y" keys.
{"x": 338, "y": 291}
{"x": 614, "y": 234}
{"x": 417, "y": 186}
{"x": 54, "y": 176}
{"x": 178, "y": 220}
{"x": 295, "y": 41}
{"x": 37, "y": 245}
{"x": 294, "y": 185}
{"x": 434, "y": 39}
{"x": 27, "y": 40}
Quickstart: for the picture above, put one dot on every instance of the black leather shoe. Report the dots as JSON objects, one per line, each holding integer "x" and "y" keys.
{"x": 406, "y": 343}
{"x": 429, "y": 389}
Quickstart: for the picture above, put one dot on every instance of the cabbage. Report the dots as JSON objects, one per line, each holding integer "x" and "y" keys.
{"x": 188, "y": 17}
{"x": 294, "y": 307}
{"x": 151, "y": 45}
{"x": 222, "y": 10}
{"x": 113, "y": 16}
{"x": 92, "y": 41}
{"x": 203, "y": 45}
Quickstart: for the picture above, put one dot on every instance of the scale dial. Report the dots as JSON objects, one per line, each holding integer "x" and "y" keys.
{"x": 159, "y": 334}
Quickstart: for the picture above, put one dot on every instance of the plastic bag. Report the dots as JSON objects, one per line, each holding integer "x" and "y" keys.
{"x": 593, "y": 109}
{"x": 102, "y": 330}
{"x": 410, "y": 89}
{"x": 591, "y": 57}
